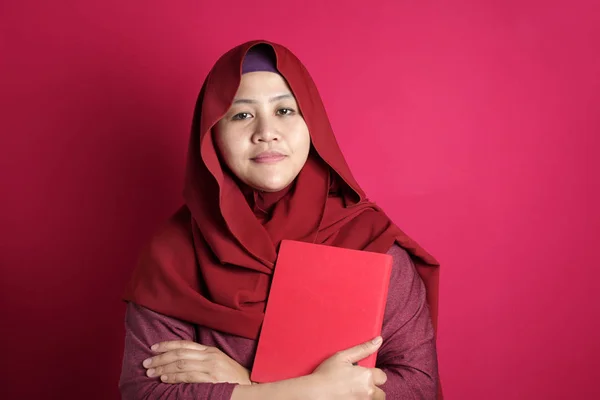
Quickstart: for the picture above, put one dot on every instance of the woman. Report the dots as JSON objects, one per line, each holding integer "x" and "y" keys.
{"x": 263, "y": 165}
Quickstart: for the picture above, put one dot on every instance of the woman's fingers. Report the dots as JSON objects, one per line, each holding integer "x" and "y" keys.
{"x": 163, "y": 347}
{"x": 189, "y": 362}
{"x": 174, "y": 355}
{"x": 187, "y": 377}
{"x": 363, "y": 350}
{"x": 378, "y": 395}
{"x": 180, "y": 366}
{"x": 379, "y": 377}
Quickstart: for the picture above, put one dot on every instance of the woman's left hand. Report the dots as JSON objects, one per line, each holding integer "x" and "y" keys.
{"x": 184, "y": 361}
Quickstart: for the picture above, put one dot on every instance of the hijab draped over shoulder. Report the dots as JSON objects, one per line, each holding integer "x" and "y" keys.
{"x": 212, "y": 263}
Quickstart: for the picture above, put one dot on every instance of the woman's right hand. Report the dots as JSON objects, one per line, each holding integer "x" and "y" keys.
{"x": 338, "y": 378}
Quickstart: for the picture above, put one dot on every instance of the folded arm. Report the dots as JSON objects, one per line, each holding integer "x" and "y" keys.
{"x": 143, "y": 328}
{"x": 407, "y": 356}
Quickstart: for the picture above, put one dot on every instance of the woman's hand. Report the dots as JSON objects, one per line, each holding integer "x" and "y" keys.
{"x": 183, "y": 361}
{"x": 338, "y": 378}
{"x": 335, "y": 379}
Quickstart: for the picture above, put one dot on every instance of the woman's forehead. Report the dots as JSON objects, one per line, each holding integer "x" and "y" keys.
{"x": 263, "y": 84}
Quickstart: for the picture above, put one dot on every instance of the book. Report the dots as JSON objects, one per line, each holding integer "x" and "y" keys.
{"x": 322, "y": 300}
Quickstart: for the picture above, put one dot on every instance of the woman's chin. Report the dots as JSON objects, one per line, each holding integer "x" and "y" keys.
{"x": 271, "y": 185}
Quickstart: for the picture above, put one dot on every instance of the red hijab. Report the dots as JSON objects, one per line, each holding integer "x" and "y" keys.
{"x": 212, "y": 263}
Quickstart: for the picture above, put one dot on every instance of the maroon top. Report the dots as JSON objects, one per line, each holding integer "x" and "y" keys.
{"x": 407, "y": 356}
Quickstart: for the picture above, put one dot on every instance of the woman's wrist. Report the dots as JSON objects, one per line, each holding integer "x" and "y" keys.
{"x": 292, "y": 389}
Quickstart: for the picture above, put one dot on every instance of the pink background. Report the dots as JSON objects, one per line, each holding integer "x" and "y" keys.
{"x": 474, "y": 124}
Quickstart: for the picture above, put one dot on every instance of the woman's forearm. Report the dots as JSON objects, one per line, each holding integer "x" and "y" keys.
{"x": 291, "y": 389}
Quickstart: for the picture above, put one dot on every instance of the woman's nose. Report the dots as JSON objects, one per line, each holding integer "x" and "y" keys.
{"x": 265, "y": 130}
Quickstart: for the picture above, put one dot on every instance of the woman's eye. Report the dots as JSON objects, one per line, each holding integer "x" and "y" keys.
{"x": 241, "y": 116}
{"x": 285, "y": 111}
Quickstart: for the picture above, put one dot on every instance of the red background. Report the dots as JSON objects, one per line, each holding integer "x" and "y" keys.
{"x": 474, "y": 124}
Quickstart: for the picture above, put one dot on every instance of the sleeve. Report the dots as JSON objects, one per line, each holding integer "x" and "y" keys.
{"x": 143, "y": 328}
{"x": 408, "y": 355}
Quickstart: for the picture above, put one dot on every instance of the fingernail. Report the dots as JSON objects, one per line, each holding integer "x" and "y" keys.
{"x": 147, "y": 362}
{"x": 377, "y": 340}
{"x": 154, "y": 347}
{"x": 151, "y": 372}
{"x": 163, "y": 378}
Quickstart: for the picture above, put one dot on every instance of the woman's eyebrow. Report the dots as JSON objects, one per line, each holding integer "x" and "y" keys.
{"x": 271, "y": 100}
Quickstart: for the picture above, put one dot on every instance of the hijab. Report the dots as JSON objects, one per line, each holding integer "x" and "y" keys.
{"x": 211, "y": 264}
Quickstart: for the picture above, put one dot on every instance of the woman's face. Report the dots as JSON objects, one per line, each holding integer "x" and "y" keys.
{"x": 263, "y": 139}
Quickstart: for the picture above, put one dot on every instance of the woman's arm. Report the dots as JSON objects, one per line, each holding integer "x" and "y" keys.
{"x": 143, "y": 328}
{"x": 335, "y": 379}
{"x": 408, "y": 354}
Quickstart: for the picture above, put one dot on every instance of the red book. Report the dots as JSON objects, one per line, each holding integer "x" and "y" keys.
{"x": 322, "y": 300}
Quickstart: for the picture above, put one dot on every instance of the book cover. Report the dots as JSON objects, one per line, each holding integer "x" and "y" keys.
{"x": 322, "y": 300}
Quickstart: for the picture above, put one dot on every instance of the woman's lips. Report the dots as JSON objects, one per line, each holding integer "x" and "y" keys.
{"x": 268, "y": 157}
